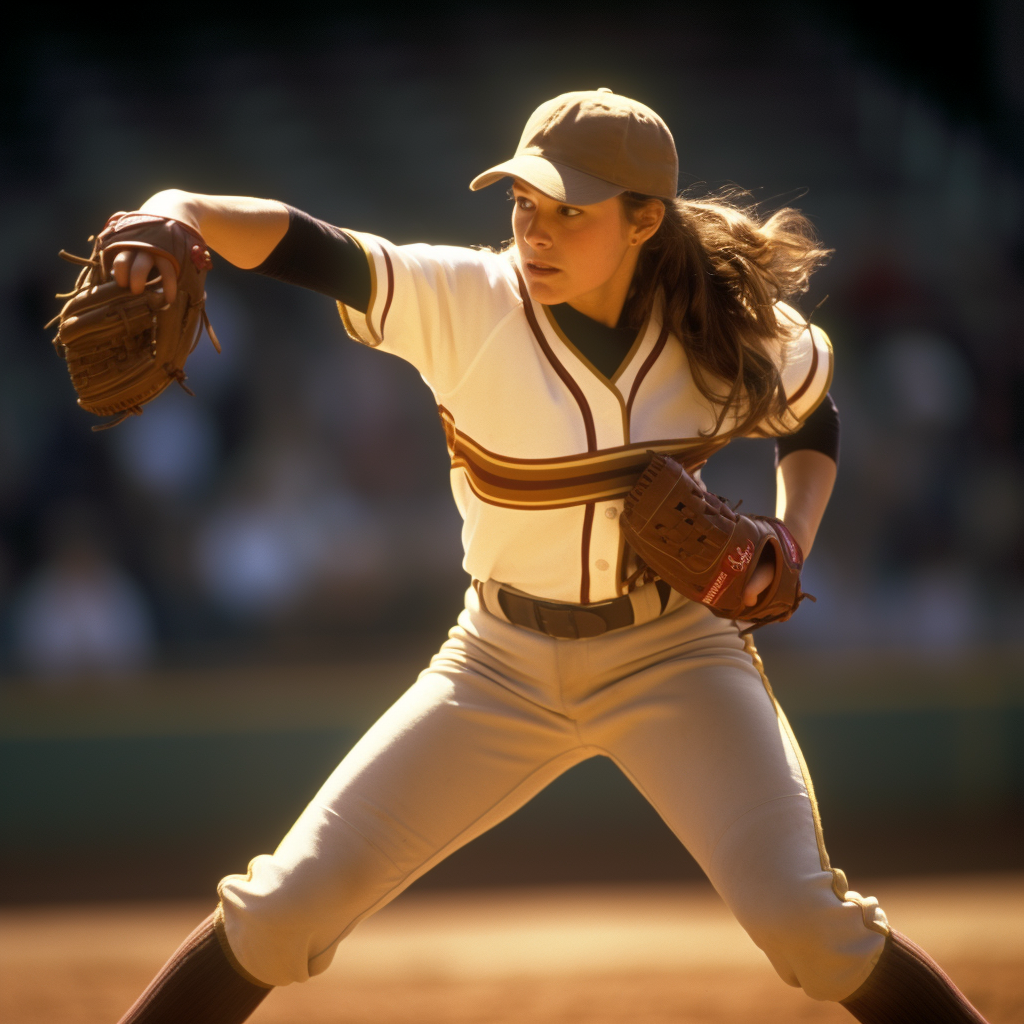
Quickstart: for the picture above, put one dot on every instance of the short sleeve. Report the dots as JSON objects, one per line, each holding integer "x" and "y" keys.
{"x": 806, "y": 366}
{"x": 432, "y": 305}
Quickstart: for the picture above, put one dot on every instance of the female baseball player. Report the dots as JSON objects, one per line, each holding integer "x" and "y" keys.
{"x": 622, "y": 321}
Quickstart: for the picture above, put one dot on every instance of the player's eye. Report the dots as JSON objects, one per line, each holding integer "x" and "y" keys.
{"x": 569, "y": 211}
{"x": 523, "y": 203}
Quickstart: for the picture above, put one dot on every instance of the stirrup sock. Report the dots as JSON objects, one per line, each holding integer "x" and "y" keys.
{"x": 908, "y": 987}
{"x": 199, "y": 985}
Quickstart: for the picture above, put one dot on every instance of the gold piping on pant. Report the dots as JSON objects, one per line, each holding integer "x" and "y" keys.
{"x": 873, "y": 915}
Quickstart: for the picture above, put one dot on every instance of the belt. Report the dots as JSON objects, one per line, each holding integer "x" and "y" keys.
{"x": 573, "y": 621}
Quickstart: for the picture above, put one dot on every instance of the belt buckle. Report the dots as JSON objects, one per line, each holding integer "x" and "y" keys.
{"x": 567, "y": 623}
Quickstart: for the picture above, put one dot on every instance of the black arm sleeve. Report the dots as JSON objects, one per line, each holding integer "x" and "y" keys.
{"x": 319, "y": 256}
{"x": 819, "y": 433}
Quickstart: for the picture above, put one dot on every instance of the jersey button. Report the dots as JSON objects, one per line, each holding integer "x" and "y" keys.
{"x": 601, "y": 564}
{"x": 611, "y": 512}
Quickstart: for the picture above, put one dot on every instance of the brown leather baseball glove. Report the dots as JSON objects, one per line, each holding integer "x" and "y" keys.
{"x": 122, "y": 349}
{"x": 698, "y": 545}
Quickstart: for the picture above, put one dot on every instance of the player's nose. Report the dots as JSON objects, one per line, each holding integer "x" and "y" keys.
{"x": 536, "y": 235}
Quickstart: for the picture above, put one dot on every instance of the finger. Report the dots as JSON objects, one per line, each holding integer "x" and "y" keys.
{"x": 170, "y": 282}
{"x": 141, "y": 267}
{"x": 759, "y": 582}
{"x": 122, "y": 268}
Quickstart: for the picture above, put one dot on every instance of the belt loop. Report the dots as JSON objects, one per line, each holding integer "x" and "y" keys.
{"x": 489, "y": 599}
{"x": 646, "y": 603}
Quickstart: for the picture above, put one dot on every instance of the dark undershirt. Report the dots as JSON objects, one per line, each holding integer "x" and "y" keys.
{"x": 605, "y": 347}
{"x": 316, "y": 255}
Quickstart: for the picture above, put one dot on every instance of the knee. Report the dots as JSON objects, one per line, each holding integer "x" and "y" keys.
{"x": 268, "y": 922}
{"x": 768, "y": 868}
{"x": 284, "y": 919}
{"x": 816, "y": 941}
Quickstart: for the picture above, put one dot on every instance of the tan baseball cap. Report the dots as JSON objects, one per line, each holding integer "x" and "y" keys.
{"x": 585, "y": 147}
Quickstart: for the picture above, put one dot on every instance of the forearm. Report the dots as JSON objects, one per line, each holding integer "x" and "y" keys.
{"x": 242, "y": 229}
{"x": 804, "y": 481}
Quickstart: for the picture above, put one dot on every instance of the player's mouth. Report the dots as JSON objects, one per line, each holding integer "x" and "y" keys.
{"x": 539, "y": 269}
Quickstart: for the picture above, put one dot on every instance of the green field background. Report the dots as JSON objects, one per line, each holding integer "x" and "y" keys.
{"x": 162, "y": 785}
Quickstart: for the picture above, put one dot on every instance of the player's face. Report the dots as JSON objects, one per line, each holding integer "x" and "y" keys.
{"x": 574, "y": 254}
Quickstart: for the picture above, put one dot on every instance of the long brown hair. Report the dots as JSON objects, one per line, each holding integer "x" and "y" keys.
{"x": 721, "y": 268}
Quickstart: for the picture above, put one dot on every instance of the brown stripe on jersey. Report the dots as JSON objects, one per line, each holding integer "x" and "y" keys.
{"x": 633, "y": 349}
{"x": 559, "y": 486}
{"x": 346, "y": 318}
{"x": 645, "y": 369}
{"x": 391, "y": 290}
{"x": 788, "y": 423}
{"x": 448, "y": 423}
{"x": 598, "y": 375}
{"x": 567, "y": 480}
{"x": 558, "y": 493}
{"x": 588, "y": 528}
{"x": 567, "y": 378}
{"x": 567, "y": 469}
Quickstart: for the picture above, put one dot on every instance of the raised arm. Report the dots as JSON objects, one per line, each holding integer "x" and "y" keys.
{"x": 244, "y": 230}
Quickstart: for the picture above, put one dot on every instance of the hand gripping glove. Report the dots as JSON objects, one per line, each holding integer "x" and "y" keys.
{"x": 698, "y": 545}
{"x": 122, "y": 349}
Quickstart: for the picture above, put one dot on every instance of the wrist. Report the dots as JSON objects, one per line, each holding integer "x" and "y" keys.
{"x": 177, "y": 205}
{"x": 802, "y": 533}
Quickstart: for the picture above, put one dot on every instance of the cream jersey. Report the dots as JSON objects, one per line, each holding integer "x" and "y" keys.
{"x": 543, "y": 447}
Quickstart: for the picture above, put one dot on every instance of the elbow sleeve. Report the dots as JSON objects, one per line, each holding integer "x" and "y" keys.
{"x": 819, "y": 433}
{"x": 316, "y": 255}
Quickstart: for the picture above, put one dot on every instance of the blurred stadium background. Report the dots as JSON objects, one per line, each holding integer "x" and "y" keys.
{"x": 200, "y": 609}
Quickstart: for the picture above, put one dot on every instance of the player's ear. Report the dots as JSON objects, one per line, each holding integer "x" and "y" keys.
{"x": 645, "y": 220}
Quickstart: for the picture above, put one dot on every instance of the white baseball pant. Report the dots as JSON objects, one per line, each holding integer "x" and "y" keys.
{"x": 679, "y": 702}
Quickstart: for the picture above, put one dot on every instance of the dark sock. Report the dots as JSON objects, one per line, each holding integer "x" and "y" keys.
{"x": 198, "y": 985}
{"x": 908, "y": 987}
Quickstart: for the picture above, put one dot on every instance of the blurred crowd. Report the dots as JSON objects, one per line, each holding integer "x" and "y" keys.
{"x": 299, "y": 504}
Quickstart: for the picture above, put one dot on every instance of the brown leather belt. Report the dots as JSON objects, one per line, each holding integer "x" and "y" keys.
{"x": 572, "y": 621}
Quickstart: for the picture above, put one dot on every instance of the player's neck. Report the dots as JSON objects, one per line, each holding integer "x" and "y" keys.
{"x": 606, "y": 313}
{"x": 606, "y": 302}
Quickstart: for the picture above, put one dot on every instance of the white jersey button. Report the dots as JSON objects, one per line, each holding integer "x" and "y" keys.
{"x": 601, "y": 564}
{"x": 611, "y": 512}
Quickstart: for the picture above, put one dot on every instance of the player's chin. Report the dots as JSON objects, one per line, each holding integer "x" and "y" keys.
{"x": 549, "y": 289}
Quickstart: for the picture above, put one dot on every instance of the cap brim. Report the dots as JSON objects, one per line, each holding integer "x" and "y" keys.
{"x": 564, "y": 184}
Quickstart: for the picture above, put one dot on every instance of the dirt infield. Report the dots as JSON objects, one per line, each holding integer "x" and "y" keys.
{"x": 643, "y": 954}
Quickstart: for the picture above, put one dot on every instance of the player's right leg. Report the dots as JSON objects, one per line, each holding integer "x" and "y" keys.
{"x": 700, "y": 733}
{"x": 479, "y": 733}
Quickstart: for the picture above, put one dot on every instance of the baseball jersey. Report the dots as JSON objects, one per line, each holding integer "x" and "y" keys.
{"x": 543, "y": 446}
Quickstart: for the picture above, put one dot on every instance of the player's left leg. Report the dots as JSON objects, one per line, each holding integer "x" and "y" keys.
{"x": 697, "y": 729}
{"x": 475, "y": 737}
